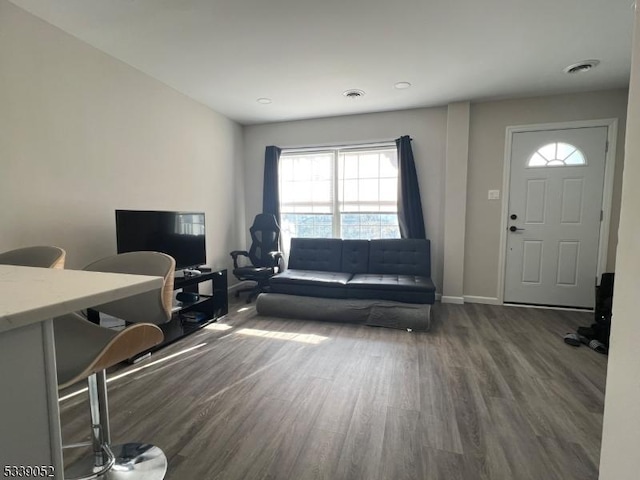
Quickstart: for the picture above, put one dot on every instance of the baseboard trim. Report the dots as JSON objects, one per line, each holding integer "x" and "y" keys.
{"x": 451, "y": 299}
{"x": 549, "y": 307}
{"x": 438, "y": 297}
{"x": 485, "y": 300}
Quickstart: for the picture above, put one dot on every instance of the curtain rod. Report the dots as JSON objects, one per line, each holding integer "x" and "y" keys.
{"x": 370, "y": 143}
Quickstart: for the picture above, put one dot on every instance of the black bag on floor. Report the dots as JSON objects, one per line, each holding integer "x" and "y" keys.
{"x": 601, "y": 329}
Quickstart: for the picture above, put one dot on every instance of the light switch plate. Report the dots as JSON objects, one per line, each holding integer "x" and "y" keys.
{"x": 494, "y": 194}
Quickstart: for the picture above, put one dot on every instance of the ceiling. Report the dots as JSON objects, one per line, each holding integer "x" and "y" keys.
{"x": 303, "y": 54}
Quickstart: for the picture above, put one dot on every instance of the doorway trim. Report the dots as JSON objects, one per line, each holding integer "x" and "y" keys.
{"x": 607, "y": 192}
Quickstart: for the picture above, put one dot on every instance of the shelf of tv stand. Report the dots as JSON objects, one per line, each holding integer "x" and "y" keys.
{"x": 179, "y": 307}
{"x": 212, "y": 305}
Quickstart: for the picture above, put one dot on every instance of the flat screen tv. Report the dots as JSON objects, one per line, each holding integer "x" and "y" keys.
{"x": 179, "y": 234}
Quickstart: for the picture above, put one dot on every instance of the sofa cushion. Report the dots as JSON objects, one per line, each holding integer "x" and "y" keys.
{"x": 400, "y": 288}
{"x": 311, "y": 277}
{"x": 355, "y": 256}
{"x": 319, "y": 254}
{"x": 313, "y": 283}
{"x": 400, "y": 256}
{"x": 391, "y": 281}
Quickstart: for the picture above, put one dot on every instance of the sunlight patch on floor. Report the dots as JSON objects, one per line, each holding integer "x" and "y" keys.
{"x": 222, "y": 327}
{"x": 296, "y": 337}
{"x": 135, "y": 370}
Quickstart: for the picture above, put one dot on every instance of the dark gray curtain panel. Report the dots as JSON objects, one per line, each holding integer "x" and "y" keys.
{"x": 410, "y": 216}
{"x": 270, "y": 195}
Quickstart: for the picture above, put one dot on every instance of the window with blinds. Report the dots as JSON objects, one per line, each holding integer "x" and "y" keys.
{"x": 339, "y": 192}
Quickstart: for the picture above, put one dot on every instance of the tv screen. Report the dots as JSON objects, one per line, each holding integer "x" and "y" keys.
{"x": 179, "y": 234}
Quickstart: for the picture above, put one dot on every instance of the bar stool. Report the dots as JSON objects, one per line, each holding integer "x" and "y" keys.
{"x": 85, "y": 350}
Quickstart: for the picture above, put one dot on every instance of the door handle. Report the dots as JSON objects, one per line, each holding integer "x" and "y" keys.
{"x": 513, "y": 228}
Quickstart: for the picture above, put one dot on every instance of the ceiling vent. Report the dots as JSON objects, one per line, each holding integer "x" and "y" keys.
{"x": 353, "y": 94}
{"x": 581, "y": 67}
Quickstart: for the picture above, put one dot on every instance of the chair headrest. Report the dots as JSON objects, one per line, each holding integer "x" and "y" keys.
{"x": 149, "y": 307}
{"x": 136, "y": 263}
{"x": 43, "y": 256}
{"x": 265, "y": 221}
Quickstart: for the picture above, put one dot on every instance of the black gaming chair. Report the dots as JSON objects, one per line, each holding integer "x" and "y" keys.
{"x": 264, "y": 256}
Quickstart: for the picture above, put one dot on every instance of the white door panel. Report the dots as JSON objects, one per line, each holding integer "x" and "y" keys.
{"x": 535, "y": 206}
{"x": 555, "y": 196}
{"x": 572, "y": 190}
{"x": 568, "y": 254}
{"x": 532, "y": 262}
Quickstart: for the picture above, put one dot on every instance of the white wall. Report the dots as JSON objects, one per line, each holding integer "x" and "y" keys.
{"x": 82, "y": 134}
{"x": 619, "y": 459}
{"x": 486, "y": 160}
{"x": 427, "y": 127}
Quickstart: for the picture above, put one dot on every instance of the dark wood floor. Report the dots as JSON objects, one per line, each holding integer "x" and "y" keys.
{"x": 491, "y": 393}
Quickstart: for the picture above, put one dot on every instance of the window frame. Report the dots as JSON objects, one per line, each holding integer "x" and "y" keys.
{"x": 335, "y": 152}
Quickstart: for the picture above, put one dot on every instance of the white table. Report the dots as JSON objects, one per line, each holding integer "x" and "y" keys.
{"x": 29, "y": 299}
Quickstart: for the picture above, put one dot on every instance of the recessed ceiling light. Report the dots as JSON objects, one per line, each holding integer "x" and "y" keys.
{"x": 402, "y": 85}
{"x": 581, "y": 67}
{"x": 264, "y": 101}
{"x": 353, "y": 93}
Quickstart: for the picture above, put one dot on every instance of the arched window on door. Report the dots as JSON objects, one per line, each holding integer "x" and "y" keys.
{"x": 557, "y": 154}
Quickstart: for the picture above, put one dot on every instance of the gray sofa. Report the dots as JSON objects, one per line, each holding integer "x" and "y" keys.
{"x": 377, "y": 282}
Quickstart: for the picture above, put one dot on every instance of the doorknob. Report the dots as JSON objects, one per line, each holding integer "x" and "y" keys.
{"x": 513, "y": 228}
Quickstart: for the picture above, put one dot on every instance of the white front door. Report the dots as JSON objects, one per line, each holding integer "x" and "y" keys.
{"x": 555, "y": 202}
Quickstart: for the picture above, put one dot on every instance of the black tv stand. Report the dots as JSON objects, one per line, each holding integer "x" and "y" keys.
{"x": 190, "y": 317}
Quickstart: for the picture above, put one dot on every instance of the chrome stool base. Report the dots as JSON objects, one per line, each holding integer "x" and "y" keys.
{"x": 135, "y": 461}
{"x": 132, "y": 461}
